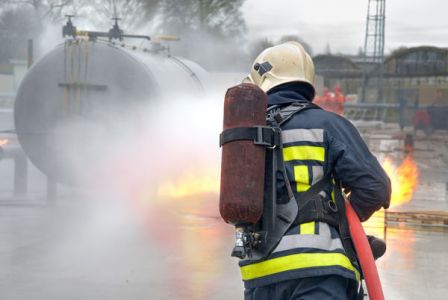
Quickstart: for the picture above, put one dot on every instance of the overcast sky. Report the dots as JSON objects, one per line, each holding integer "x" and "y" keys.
{"x": 342, "y": 23}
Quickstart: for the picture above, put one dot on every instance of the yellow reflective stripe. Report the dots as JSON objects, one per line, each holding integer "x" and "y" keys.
{"x": 332, "y": 191}
{"x": 296, "y": 261}
{"x": 307, "y": 228}
{"x": 302, "y": 178}
{"x": 304, "y": 153}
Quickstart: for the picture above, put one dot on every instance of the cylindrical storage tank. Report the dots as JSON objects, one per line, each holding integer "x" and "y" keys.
{"x": 83, "y": 91}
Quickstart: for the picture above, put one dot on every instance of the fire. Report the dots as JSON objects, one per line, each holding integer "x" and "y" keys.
{"x": 404, "y": 179}
{"x": 3, "y": 142}
{"x": 189, "y": 185}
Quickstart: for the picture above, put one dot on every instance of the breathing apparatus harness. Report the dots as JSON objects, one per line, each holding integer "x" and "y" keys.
{"x": 280, "y": 212}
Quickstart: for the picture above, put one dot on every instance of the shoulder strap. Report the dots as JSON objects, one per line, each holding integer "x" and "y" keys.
{"x": 277, "y": 116}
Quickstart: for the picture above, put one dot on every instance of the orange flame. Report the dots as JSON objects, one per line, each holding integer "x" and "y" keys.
{"x": 404, "y": 179}
{"x": 189, "y": 185}
{"x": 3, "y": 142}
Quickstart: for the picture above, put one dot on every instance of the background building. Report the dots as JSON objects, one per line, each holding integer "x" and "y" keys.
{"x": 417, "y": 75}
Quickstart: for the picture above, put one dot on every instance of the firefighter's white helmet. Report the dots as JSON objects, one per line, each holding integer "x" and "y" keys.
{"x": 287, "y": 62}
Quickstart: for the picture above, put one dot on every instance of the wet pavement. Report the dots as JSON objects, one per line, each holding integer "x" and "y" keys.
{"x": 103, "y": 245}
{"x": 91, "y": 247}
{"x": 106, "y": 249}
{"x": 415, "y": 265}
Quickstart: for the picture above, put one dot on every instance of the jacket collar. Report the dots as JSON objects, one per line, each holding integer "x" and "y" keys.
{"x": 281, "y": 97}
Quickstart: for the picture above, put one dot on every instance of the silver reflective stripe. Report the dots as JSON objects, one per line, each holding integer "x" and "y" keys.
{"x": 318, "y": 173}
{"x": 321, "y": 241}
{"x": 303, "y": 135}
{"x": 324, "y": 229}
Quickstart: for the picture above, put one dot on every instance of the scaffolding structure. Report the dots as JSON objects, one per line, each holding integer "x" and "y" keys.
{"x": 374, "y": 45}
{"x": 374, "y": 39}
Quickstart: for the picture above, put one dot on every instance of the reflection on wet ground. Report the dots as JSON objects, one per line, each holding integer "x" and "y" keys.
{"x": 415, "y": 264}
{"x": 173, "y": 248}
{"x": 109, "y": 249}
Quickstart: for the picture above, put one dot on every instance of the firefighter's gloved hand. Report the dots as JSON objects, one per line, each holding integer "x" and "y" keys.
{"x": 377, "y": 245}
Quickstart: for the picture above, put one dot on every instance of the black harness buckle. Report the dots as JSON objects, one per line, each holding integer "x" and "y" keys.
{"x": 266, "y": 136}
{"x": 260, "y": 139}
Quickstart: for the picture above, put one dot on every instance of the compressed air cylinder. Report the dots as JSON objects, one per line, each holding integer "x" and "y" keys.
{"x": 243, "y": 162}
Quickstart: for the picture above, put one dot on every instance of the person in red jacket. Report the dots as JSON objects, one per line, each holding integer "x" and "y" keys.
{"x": 338, "y": 100}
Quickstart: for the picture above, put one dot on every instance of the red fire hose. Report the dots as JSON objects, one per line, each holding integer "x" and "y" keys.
{"x": 365, "y": 255}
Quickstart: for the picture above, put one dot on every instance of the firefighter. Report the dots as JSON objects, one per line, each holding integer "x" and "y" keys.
{"x": 326, "y": 97}
{"x": 339, "y": 100}
{"x": 310, "y": 260}
{"x": 322, "y": 101}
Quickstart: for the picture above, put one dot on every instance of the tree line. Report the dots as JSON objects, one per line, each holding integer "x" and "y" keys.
{"x": 212, "y": 32}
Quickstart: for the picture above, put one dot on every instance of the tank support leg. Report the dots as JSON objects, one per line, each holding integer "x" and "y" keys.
{"x": 20, "y": 174}
{"x": 52, "y": 190}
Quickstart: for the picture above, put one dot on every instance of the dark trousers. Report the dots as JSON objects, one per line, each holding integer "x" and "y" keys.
{"x": 311, "y": 288}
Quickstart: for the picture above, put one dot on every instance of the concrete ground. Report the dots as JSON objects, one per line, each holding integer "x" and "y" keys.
{"x": 91, "y": 249}
{"x": 93, "y": 245}
{"x": 105, "y": 249}
{"x": 415, "y": 264}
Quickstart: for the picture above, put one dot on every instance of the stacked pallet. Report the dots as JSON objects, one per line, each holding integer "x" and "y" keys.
{"x": 435, "y": 218}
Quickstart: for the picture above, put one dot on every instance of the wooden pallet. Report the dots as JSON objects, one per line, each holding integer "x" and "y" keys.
{"x": 439, "y": 218}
